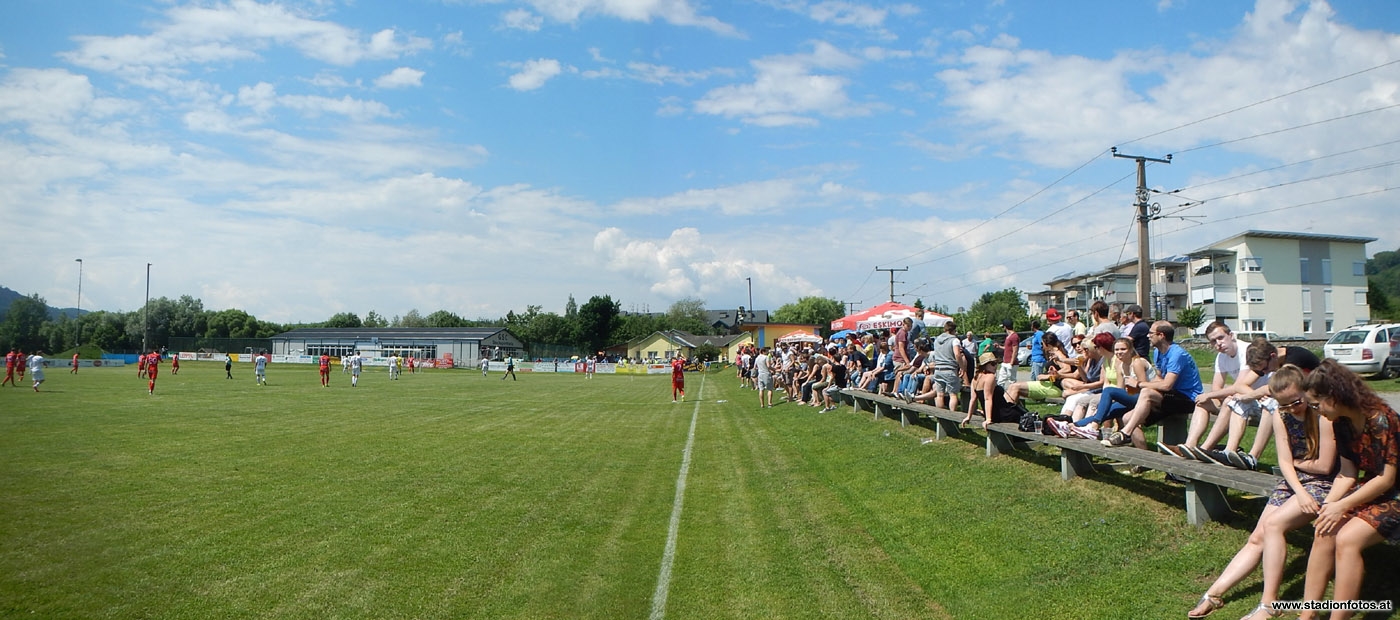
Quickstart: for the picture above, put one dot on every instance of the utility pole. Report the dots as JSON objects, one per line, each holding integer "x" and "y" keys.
{"x": 1144, "y": 279}
{"x": 146, "y": 313}
{"x": 891, "y": 279}
{"x": 750, "y": 293}
{"x": 78, "y": 314}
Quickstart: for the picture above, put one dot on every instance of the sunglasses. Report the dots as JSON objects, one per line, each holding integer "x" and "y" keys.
{"x": 1292, "y": 404}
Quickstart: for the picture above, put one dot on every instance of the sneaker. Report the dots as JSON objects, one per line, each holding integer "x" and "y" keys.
{"x": 1179, "y": 451}
{"x": 1117, "y": 439}
{"x": 1082, "y": 432}
{"x": 1218, "y": 457}
{"x": 1058, "y": 427}
{"x": 1175, "y": 479}
{"x": 1198, "y": 454}
{"x": 1240, "y": 459}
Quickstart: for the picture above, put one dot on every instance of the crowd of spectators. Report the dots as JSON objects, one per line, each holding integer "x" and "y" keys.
{"x": 1337, "y": 442}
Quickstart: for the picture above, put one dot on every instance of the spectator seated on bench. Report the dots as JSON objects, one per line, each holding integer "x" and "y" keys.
{"x": 1117, "y": 399}
{"x": 984, "y": 389}
{"x": 1046, "y": 385}
{"x": 1174, "y": 391}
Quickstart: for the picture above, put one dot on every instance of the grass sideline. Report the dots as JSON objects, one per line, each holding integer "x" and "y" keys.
{"x": 449, "y": 495}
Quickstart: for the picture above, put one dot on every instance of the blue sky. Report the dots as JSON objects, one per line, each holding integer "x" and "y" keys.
{"x": 302, "y": 158}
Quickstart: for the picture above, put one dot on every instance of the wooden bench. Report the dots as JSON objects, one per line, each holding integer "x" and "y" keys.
{"x": 1205, "y": 482}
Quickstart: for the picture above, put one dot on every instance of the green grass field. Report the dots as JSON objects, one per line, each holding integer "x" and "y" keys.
{"x": 450, "y": 495}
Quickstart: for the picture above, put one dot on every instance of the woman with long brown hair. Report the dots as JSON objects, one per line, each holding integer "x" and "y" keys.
{"x": 1307, "y": 455}
{"x": 1363, "y": 508}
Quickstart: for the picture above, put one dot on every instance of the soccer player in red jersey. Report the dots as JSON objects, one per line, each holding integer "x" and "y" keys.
{"x": 9, "y": 369}
{"x": 152, "y": 368}
{"x": 20, "y": 361}
{"x": 325, "y": 370}
{"x": 678, "y": 378}
{"x": 75, "y": 364}
{"x": 175, "y": 364}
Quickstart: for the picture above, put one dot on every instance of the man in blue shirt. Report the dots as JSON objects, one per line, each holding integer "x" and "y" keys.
{"x": 1037, "y": 358}
{"x": 1174, "y": 391}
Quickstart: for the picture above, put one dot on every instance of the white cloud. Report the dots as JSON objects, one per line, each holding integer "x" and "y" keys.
{"x": 689, "y": 264}
{"x": 1052, "y": 109}
{"x": 787, "y": 90}
{"x": 521, "y": 19}
{"x": 534, "y": 73}
{"x": 233, "y": 31}
{"x": 402, "y": 77}
{"x": 262, "y": 98}
{"x": 677, "y": 12}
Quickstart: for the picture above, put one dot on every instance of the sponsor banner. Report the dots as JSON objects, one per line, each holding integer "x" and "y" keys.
{"x": 186, "y": 355}
{"x": 68, "y": 363}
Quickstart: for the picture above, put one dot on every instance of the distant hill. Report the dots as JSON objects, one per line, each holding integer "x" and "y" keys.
{"x": 8, "y": 297}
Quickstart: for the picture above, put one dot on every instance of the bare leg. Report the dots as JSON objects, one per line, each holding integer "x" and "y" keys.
{"x": 1243, "y": 563}
{"x": 1355, "y": 536}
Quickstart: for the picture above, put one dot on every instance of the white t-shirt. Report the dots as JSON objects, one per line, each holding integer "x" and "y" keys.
{"x": 260, "y": 363}
{"x": 1230, "y": 365}
{"x": 761, "y": 363}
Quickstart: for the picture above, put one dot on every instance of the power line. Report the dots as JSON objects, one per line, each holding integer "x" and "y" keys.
{"x": 1280, "y": 167}
{"x": 1329, "y": 175}
{"x": 1004, "y": 212}
{"x": 1262, "y": 101}
{"x": 1277, "y": 131}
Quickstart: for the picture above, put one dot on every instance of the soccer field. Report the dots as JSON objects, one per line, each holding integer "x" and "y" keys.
{"x": 448, "y": 495}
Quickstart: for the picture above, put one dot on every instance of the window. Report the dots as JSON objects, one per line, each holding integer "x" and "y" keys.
{"x": 1223, "y": 266}
{"x": 1360, "y": 298}
{"x": 1326, "y": 271}
{"x": 1251, "y": 264}
{"x": 1307, "y": 301}
{"x": 1252, "y": 295}
{"x": 1327, "y": 302}
{"x": 1358, "y": 268}
{"x": 1303, "y": 271}
{"x": 1252, "y": 325}
{"x": 1307, "y": 326}
{"x": 1329, "y": 325}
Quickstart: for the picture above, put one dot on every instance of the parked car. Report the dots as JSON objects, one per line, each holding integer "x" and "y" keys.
{"x": 1248, "y": 336}
{"x": 1366, "y": 349}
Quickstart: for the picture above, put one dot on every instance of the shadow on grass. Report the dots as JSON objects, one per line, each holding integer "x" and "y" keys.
{"x": 1246, "y": 511}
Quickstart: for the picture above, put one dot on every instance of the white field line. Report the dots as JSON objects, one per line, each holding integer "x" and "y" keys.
{"x": 663, "y": 578}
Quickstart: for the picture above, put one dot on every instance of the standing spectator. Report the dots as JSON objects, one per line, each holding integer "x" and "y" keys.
{"x": 763, "y": 365}
{"x": 1036, "y": 344}
{"x": 1102, "y": 322}
{"x": 1078, "y": 326}
{"x": 1136, "y": 328}
{"x": 1056, "y": 325}
{"x": 1006, "y": 373}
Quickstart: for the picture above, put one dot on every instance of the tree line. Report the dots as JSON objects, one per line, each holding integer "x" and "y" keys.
{"x": 593, "y": 326}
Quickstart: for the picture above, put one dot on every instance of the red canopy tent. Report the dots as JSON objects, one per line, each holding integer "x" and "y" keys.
{"x": 887, "y": 315}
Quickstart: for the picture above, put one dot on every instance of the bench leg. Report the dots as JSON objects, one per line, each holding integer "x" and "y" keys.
{"x": 1173, "y": 429}
{"x": 998, "y": 443}
{"x": 1074, "y": 464}
{"x": 904, "y": 418}
{"x": 882, "y": 410}
{"x": 945, "y": 428}
{"x": 1205, "y": 502}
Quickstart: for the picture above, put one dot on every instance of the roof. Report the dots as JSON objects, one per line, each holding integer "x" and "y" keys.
{"x": 400, "y": 333}
{"x": 1214, "y": 249}
{"x": 695, "y": 340}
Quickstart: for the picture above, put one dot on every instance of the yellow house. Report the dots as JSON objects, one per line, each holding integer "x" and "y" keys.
{"x": 665, "y": 345}
{"x": 766, "y": 334}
